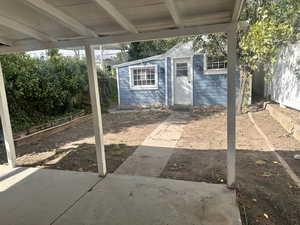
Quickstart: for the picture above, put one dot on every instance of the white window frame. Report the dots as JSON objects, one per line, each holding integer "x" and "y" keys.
{"x": 143, "y": 87}
{"x": 212, "y": 71}
{"x": 187, "y": 67}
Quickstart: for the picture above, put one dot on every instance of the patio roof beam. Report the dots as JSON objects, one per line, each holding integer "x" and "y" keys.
{"x": 208, "y": 18}
{"x": 174, "y": 13}
{"x": 231, "y": 105}
{"x": 22, "y": 28}
{"x": 115, "y": 13}
{"x": 238, "y": 6}
{"x": 96, "y": 108}
{"x": 124, "y": 38}
{"x": 61, "y": 17}
{"x": 6, "y": 125}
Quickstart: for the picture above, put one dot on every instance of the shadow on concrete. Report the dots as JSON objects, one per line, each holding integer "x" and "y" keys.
{"x": 11, "y": 173}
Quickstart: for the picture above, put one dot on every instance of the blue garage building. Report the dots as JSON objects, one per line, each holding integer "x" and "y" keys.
{"x": 178, "y": 77}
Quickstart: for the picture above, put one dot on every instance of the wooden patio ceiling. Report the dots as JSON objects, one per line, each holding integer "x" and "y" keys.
{"x": 39, "y": 24}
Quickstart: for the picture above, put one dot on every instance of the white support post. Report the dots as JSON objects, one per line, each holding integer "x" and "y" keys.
{"x": 101, "y": 57}
{"x": 231, "y": 106}
{"x": 6, "y": 126}
{"x": 96, "y": 108}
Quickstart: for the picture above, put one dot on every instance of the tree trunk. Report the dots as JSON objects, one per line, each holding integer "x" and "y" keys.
{"x": 244, "y": 96}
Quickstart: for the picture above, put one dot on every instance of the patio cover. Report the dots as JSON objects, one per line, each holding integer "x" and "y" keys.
{"x": 27, "y": 25}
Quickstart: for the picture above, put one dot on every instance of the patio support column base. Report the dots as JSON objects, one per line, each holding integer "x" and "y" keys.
{"x": 6, "y": 125}
{"x": 96, "y": 108}
{"x": 231, "y": 106}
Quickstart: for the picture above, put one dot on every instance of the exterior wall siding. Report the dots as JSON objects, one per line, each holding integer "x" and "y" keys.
{"x": 142, "y": 97}
{"x": 285, "y": 84}
{"x": 209, "y": 89}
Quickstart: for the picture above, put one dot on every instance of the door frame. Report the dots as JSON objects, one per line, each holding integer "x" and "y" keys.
{"x": 173, "y": 77}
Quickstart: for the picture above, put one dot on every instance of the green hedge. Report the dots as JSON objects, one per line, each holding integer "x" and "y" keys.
{"x": 39, "y": 90}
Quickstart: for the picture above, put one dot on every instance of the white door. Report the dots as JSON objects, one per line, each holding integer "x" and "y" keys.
{"x": 182, "y": 73}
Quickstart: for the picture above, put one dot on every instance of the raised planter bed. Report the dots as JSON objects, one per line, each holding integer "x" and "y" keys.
{"x": 41, "y": 131}
{"x": 288, "y": 118}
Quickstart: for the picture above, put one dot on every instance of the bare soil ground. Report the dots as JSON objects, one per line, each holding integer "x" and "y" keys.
{"x": 283, "y": 142}
{"x": 294, "y": 114}
{"x": 74, "y": 148}
{"x": 266, "y": 195}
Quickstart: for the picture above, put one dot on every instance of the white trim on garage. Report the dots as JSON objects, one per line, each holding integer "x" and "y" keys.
{"x": 166, "y": 80}
{"x": 211, "y": 71}
{"x": 118, "y": 86}
{"x": 173, "y": 75}
{"x": 143, "y": 87}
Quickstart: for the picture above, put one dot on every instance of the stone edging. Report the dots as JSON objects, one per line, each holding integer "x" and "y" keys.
{"x": 49, "y": 131}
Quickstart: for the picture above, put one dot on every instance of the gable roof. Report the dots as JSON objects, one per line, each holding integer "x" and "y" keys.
{"x": 181, "y": 49}
{"x": 162, "y": 56}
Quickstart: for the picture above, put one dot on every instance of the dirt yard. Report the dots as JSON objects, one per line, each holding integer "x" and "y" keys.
{"x": 74, "y": 148}
{"x": 266, "y": 195}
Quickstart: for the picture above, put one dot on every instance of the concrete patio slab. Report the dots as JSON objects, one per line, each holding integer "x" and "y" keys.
{"x": 146, "y": 161}
{"x": 32, "y": 196}
{"x": 136, "y": 200}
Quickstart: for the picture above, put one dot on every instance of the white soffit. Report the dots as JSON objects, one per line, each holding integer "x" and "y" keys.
{"x": 39, "y": 24}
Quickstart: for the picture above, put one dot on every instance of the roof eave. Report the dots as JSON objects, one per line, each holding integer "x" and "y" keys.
{"x": 162, "y": 56}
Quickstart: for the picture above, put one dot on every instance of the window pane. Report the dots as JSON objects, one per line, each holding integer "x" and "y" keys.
{"x": 181, "y": 69}
{"x": 144, "y": 76}
{"x": 216, "y": 62}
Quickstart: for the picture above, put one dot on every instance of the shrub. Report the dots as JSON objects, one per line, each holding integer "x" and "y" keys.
{"x": 39, "y": 90}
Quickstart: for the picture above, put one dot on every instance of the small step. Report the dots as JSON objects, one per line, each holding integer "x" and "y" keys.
{"x": 185, "y": 108}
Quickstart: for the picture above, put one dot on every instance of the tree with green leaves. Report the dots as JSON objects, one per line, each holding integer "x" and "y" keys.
{"x": 274, "y": 27}
{"x": 273, "y": 24}
{"x": 140, "y": 50}
{"x": 53, "y": 53}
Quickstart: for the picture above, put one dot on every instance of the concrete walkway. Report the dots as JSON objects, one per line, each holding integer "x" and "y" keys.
{"x": 151, "y": 157}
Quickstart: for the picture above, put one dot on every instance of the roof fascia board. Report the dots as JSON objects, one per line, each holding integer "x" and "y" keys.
{"x": 31, "y": 45}
{"x": 162, "y": 56}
